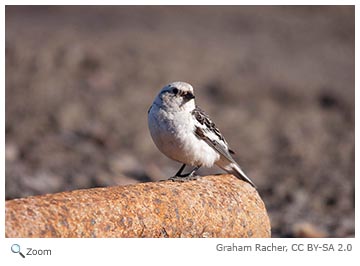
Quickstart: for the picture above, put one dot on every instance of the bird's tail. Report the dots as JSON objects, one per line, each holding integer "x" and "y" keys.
{"x": 234, "y": 168}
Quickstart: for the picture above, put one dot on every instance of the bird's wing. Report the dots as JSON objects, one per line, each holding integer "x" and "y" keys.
{"x": 206, "y": 130}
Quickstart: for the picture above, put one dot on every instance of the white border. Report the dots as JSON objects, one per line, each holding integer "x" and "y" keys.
{"x": 163, "y": 251}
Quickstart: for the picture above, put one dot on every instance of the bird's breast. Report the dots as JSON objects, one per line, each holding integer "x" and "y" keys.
{"x": 173, "y": 134}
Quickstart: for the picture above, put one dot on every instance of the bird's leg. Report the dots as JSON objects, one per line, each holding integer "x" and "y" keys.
{"x": 185, "y": 177}
{"x": 180, "y": 171}
{"x": 192, "y": 173}
{"x": 178, "y": 176}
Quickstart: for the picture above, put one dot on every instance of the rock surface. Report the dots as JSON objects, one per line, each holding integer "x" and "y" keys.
{"x": 211, "y": 206}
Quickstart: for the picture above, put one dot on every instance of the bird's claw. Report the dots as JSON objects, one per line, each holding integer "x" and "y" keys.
{"x": 184, "y": 178}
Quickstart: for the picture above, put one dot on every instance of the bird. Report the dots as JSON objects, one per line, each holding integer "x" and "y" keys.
{"x": 185, "y": 133}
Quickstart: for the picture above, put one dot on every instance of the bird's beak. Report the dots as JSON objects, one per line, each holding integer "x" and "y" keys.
{"x": 188, "y": 96}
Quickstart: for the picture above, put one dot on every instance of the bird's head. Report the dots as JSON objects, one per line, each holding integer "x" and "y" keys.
{"x": 178, "y": 95}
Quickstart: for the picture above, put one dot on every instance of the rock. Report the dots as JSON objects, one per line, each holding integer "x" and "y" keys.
{"x": 211, "y": 206}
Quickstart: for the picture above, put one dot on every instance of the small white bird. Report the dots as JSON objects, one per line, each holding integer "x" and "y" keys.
{"x": 184, "y": 133}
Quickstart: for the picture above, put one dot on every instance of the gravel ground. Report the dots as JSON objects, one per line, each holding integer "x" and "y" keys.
{"x": 278, "y": 81}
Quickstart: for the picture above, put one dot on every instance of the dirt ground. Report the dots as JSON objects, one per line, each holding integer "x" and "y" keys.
{"x": 278, "y": 82}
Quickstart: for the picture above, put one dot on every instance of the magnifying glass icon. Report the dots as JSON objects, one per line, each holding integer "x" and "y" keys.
{"x": 15, "y": 248}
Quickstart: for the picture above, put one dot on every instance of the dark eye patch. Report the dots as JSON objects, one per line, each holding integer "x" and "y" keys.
{"x": 175, "y": 90}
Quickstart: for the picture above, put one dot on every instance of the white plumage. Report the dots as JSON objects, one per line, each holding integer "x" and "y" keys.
{"x": 184, "y": 133}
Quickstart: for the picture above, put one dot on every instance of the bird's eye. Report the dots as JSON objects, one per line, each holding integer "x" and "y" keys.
{"x": 175, "y": 90}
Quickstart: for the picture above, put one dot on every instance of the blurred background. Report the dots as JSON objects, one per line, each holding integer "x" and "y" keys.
{"x": 278, "y": 82}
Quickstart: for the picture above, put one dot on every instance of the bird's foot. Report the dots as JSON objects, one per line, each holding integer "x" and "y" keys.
{"x": 184, "y": 178}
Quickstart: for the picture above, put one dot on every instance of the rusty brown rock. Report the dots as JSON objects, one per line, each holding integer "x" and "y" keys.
{"x": 211, "y": 206}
